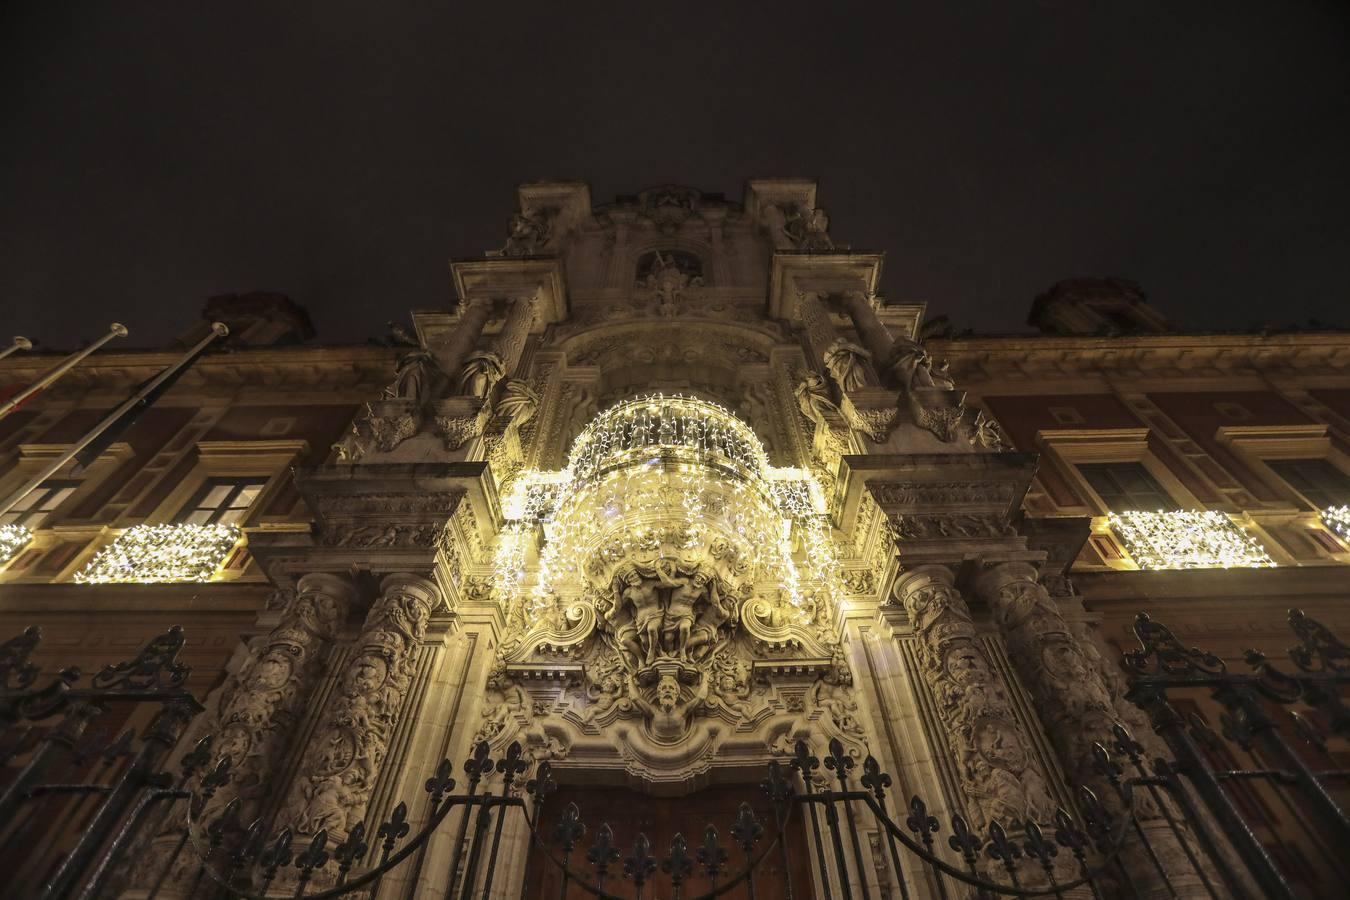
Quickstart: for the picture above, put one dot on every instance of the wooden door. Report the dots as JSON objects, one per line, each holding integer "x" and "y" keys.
{"x": 629, "y": 813}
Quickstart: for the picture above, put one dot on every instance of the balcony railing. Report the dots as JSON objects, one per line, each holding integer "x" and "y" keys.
{"x": 1187, "y": 539}
{"x": 154, "y": 554}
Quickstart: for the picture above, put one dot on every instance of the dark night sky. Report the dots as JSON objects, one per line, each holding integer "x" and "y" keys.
{"x": 341, "y": 152}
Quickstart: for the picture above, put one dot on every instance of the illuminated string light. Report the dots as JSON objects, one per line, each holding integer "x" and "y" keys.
{"x": 150, "y": 554}
{"x": 1186, "y": 539}
{"x": 13, "y": 538}
{"x": 1337, "y": 518}
{"x": 659, "y": 475}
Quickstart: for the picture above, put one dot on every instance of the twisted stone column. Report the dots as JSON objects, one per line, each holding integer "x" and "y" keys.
{"x": 820, "y": 331}
{"x": 254, "y": 718}
{"x": 875, "y": 336}
{"x": 510, "y": 341}
{"x": 473, "y": 318}
{"x": 340, "y": 766}
{"x": 260, "y": 706}
{"x": 1000, "y": 776}
{"x": 1075, "y": 704}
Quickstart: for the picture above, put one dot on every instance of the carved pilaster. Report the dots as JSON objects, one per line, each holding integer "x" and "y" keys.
{"x": 1073, "y": 700}
{"x": 342, "y": 762}
{"x": 998, "y": 772}
{"x": 259, "y": 708}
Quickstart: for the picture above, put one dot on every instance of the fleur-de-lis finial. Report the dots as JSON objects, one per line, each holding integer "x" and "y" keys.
{"x": 921, "y": 823}
{"x": 1002, "y": 848}
{"x": 746, "y": 829}
{"x": 569, "y": 828}
{"x": 396, "y": 829}
{"x": 1068, "y": 834}
{"x": 874, "y": 779}
{"x": 964, "y": 841}
{"x": 479, "y": 764}
{"x": 350, "y": 850}
{"x": 838, "y": 761}
{"x": 1038, "y": 848}
{"x": 441, "y": 783}
{"x": 603, "y": 854}
{"x": 711, "y": 856}
{"x": 640, "y": 864}
{"x": 678, "y": 865}
{"x": 314, "y": 857}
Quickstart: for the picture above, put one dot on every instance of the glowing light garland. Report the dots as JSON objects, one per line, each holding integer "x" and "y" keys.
{"x": 664, "y": 472}
{"x": 149, "y": 554}
{"x": 1337, "y": 518}
{"x": 13, "y": 538}
{"x": 1186, "y": 539}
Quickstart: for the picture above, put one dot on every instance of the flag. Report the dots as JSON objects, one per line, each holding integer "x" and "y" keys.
{"x": 98, "y": 445}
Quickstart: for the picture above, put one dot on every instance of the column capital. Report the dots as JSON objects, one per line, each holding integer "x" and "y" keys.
{"x": 993, "y": 577}
{"x": 424, "y": 589}
{"x": 338, "y": 587}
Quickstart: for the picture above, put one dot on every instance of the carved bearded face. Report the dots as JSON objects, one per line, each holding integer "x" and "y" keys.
{"x": 1000, "y": 746}
{"x": 1063, "y": 661}
{"x": 965, "y": 667}
{"x": 272, "y": 671}
{"x": 368, "y": 675}
{"x": 667, "y": 693}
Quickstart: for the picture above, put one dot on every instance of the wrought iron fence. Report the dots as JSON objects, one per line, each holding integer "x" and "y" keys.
{"x": 1164, "y": 827}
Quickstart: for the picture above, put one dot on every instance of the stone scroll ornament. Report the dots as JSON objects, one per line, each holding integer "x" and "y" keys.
{"x": 343, "y": 760}
{"x": 999, "y": 774}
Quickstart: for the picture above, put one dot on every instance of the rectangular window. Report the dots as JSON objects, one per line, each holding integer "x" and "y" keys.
{"x": 1321, "y": 483}
{"x": 39, "y": 503}
{"x": 222, "y": 501}
{"x": 1126, "y": 486}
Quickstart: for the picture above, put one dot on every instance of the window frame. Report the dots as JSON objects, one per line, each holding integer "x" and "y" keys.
{"x": 266, "y": 461}
{"x": 237, "y": 484}
{"x": 1171, "y": 503}
{"x": 53, "y": 485}
{"x": 1254, "y": 444}
{"x": 1068, "y": 447}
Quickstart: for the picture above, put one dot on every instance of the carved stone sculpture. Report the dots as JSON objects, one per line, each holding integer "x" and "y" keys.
{"x": 999, "y": 775}
{"x": 527, "y": 233}
{"x": 808, "y": 229}
{"x": 518, "y": 402}
{"x": 343, "y": 760}
{"x": 480, "y": 373}
{"x": 414, "y": 374}
{"x": 914, "y": 368}
{"x": 814, "y": 400}
{"x": 847, "y": 363}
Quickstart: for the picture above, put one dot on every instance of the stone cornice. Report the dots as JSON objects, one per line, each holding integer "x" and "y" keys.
{"x": 1148, "y": 355}
{"x": 283, "y": 370}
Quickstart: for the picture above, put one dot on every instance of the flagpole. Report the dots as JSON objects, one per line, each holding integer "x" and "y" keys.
{"x": 218, "y": 330}
{"x": 20, "y": 343}
{"x": 115, "y": 330}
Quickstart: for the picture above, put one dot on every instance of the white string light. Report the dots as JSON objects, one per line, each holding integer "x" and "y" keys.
{"x": 13, "y": 538}
{"x": 663, "y": 474}
{"x": 1186, "y": 539}
{"x": 149, "y": 554}
{"x": 1337, "y": 518}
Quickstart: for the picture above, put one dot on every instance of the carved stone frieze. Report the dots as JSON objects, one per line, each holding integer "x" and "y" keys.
{"x": 918, "y": 495}
{"x": 907, "y": 526}
{"x": 385, "y": 535}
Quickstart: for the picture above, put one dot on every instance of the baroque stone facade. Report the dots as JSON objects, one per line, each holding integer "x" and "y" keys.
{"x": 667, "y": 489}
